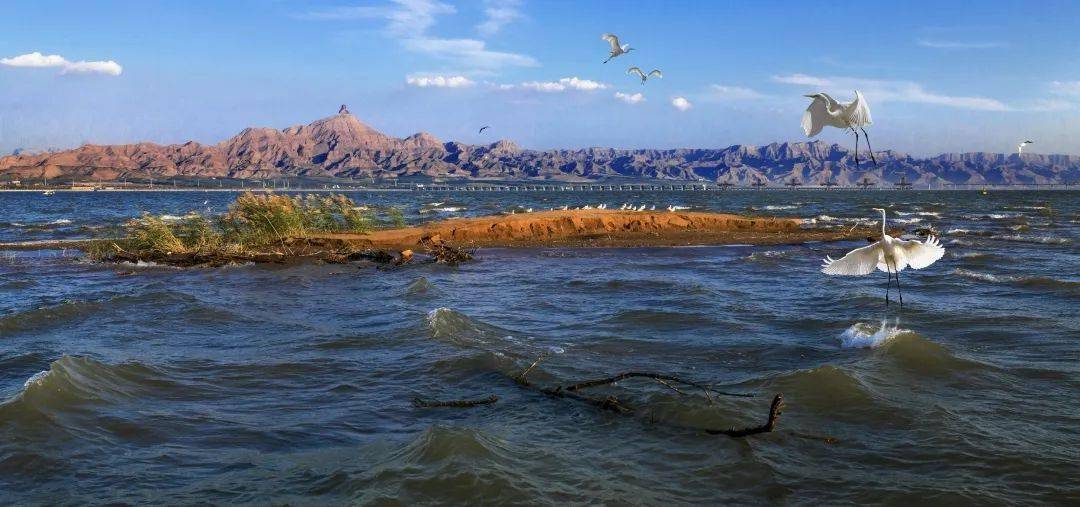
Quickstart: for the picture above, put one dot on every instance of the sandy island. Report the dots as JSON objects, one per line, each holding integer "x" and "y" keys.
{"x": 560, "y": 228}
{"x": 596, "y": 228}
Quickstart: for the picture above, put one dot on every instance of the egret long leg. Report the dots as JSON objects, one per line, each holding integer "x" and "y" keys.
{"x": 868, "y": 145}
{"x": 898, "y": 291}
{"x": 856, "y": 148}
{"x": 887, "y": 284}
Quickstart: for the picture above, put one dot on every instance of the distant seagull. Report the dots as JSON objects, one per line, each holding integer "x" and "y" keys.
{"x": 1020, "y": 149}
{"x": 484, "y": 128}
{"x": 644, "y": 77}
{"x": 825, "y": 111}
{"x": 616, "y": 49}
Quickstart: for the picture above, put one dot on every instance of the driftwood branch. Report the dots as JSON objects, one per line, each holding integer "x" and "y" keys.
{"x": 422, "y": 403}
{"x": 774, "y": 414}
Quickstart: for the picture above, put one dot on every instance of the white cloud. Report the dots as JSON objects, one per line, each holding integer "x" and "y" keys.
{"x": 1069, "y": 88}
{"x": 439, "y": 81}
{"x": 564, "y": 84}
{"x": 801, "y": 79}
{"x": 630, "y": 98}
{"x": 498, "y": 13}
{"x": 404, "y": 17}
{"x": 468, "y": 52}
{"x": 37, "y": 59}
{"x": 408, "y": 21}
{"x": 722, "y": 92}
{"x": 878, "y": 90}
{"x": 951, "y": 44}
{"x": 680, "y": 103}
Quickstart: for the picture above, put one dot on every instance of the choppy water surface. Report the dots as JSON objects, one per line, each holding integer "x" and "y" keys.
{"x": 272, "y": 384}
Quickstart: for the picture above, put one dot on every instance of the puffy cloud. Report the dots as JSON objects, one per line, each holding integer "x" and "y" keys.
{"x": 630, "y": 98}
{"x": 37, "y": 59}
{"x": 882, "y": 90}
{"x": 681, "y": 103}
{"x": 722, "y": 92}
{"x": 439, "y": 81}
{"x": 498, "y": 13}
{"x": 564, "y": 84}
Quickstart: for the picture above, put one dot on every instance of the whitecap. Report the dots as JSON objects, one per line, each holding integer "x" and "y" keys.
{"x": 62, "y": 221}
{"x": 775, "y": 206}
{"x": 36, "y": 379}
{"x": 862, "y": 335}
{"x": 1045, "y": 240}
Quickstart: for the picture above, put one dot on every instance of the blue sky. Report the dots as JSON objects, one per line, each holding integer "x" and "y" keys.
{"x": 939, "y": 76}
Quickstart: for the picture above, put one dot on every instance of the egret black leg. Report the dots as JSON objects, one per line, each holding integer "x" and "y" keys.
{"x": 868, "y": 146}
{"x": 856, "y": 148}
{"x": 898, "y": 291}
{"x": 887, "y": 284}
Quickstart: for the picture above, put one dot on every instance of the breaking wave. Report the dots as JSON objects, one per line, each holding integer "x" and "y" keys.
{"x": 862, "y": 335}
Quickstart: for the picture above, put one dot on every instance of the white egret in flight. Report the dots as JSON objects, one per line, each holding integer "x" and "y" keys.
{"x": 644, "y": 77}
{"x": 890, "y": 255}
{"x": 616, "y": 49}
{"x": 1020, "y": 149}
{"x": 825, "y": 111}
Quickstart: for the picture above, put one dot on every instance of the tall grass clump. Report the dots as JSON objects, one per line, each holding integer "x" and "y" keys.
{"x": 266, "y": 220}
{"x": 252, "y": 224}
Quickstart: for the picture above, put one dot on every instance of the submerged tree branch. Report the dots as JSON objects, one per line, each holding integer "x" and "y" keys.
{"x": 422, "y": 403}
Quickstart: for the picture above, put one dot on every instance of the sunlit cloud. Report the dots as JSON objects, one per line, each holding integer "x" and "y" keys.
{"x": 680, "y": 103}
{"x": 564, "y": 84}
{"x": 630, "y": 98}
{"x": 439, "y": 81}
{"x": 37, "y": 59}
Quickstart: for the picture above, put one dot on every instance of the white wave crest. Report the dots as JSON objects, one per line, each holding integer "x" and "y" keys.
{"x": 862, "y": 335}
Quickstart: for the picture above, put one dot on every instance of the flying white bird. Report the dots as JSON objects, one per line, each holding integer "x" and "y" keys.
{"x": 616, "y": 49}
{"x": 825, "y": 111}
{"x": 644, "y": 77}
{"x": 1020, "y": 149}
{"x": 890, "y": 255}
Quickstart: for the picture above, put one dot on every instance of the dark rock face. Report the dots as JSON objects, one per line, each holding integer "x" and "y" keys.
{"x": 343, "y": 146}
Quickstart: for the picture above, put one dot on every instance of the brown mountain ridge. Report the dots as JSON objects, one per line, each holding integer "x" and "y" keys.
{"x": 343, "y": 146}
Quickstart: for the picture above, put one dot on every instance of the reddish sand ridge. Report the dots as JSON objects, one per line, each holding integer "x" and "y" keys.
{"x": 598, "y": 228}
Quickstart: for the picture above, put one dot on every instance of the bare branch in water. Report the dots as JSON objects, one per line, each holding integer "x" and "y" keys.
{"x": 774, "y": 414}
{"x": 422, "y": 403}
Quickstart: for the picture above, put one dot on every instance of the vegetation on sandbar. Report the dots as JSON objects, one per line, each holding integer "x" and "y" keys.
{"x": 253, "y": 225}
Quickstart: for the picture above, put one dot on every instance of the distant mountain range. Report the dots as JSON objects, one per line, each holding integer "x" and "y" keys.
{"x": 342, "y": 146}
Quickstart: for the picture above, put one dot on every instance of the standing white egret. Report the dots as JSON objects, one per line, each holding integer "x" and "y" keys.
{"x": 616, "y": 48}
{"x": 825, "y": 111}
{"x": 890, "y": 255}
{"x": 1020, "y": 149}
{"x": 644, "y": 77}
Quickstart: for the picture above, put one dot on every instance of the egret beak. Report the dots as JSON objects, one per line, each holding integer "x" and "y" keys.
{"x": 810, "y": 96}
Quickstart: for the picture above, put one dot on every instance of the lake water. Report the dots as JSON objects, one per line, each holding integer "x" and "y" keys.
{"x": 293, "y": 384}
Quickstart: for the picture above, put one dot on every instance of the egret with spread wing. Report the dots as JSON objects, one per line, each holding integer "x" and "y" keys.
{"x": 1020, "y": 149}
{"x": 616, "y": 48}
{"x": 644, "y": 77}
{"x": 825, "y": 111}
{"x": 889, "y": 254}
